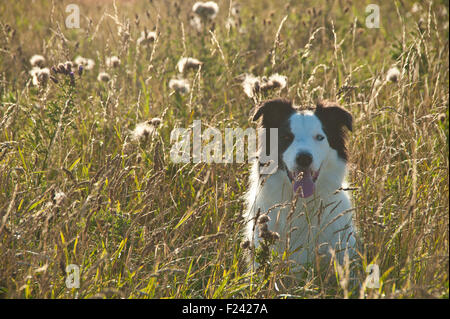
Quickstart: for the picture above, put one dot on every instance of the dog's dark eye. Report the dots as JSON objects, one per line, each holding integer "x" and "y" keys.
{"x": 319, "y": 137}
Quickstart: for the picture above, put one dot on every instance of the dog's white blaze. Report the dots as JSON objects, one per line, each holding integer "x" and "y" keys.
{"x": 305, "y": 127}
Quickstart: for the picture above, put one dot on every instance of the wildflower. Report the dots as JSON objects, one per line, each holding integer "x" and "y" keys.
{"x": 68, "y": 65}
{"x": 251, "y": 85}
{"x": 37, "y": 61}
{"x": 188, "y": 63}
{"x": 112, "y": 62}
{"x": 103, "y": 77}
{"x": 179, "y": 85}
{"x": 54, "y": 79}
{"x": 146, "y": 38}
{"x": 61, "y": 68}
{"x": 206, "y": 10}
{"x": 40, "y": 76}
{"x": 72, "y": 78}
{"x": 142, "y": 131}
{"x": 393, "y": 74}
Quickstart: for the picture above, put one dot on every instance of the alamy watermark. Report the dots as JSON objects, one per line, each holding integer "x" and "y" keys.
{"x": 73, "y": 276}
{"x": 373, "y": 18}
{"x": 373, "y": 278}
{"x": 73, "y": 19}
{"x": 207, "y": 146}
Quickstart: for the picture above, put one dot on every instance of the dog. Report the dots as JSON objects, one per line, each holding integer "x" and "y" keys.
{"x": 304, "y": 201}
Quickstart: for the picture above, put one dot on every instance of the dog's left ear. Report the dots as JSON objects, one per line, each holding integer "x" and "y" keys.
{"x": 334, "y": 115}
{"x": 274, "y": 112}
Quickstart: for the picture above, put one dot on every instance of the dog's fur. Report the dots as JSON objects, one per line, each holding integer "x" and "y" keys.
{"x": 322, "y": 220}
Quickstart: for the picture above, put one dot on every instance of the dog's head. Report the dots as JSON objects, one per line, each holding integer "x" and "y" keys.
{"x": 306, "y": 138}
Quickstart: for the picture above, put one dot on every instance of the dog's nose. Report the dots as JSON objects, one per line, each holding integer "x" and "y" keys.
{"x": 304, "y": 159}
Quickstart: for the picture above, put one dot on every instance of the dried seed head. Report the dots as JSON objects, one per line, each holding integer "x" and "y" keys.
{"x": 37, "y": 60}
{"x": 58, "y": 197}
{"x": 179, "y": 85}
{"x": 61, "y": 68}
{"x": 206, "y": 10}
{"x": 185, "y": 64}
{"x": 416, "y": 7}
{"x": 68, "y": 65}
{"x": 441, "y": 117}
{"x": 263, "y": 228}
{"x": 103, "y": 77}
{"x": 146, "y": 38}
{"x": 87, "y": 64}
{"x": 263, "y": 219}
{"x": 393, "y": 74}
{"x": 142, "y": 131}
{"x": 156, "y": 121}
{"x": 275, "y": 235}
{"x": 251, "y": 85}
{"x": 40, "y": 76}
{"x": 112, "y": 62}
{"x": 245, "y": 244}
{"x": 196, "y": 22}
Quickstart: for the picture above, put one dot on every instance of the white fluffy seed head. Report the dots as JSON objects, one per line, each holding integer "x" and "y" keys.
{"x": 142, "y": 131}
{"x": 87, "y": 64}
{"x": 206, "y": 10}
{"x": 393, "y": 74}
{"x": 251, "y": 85}
{"x": 146, "y": 38}
{"x": 103, "y": 77}
{"x": 278, "y": 81}
{"x": 179, "y": 85}
{"x": 112, "y": 62}
{"x": 185, "y": 64}
{"x": 39, "y": 76}
{"x": 37, "y": 61}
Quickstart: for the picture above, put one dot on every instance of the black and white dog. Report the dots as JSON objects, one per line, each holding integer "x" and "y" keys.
{"x": 303, "y": 197}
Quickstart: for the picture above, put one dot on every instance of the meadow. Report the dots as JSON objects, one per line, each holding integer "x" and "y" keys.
{"x": 85, "y": 173}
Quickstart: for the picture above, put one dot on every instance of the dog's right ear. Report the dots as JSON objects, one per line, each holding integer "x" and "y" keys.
{"x": 274, "y": 112}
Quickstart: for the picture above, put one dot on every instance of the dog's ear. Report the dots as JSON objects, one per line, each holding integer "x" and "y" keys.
{"x": 274, "y": 112}
{"x": 333, "y": 115}
{"x": 334, "y": 118}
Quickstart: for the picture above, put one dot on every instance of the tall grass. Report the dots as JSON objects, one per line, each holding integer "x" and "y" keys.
{"x": 76, "y": 188}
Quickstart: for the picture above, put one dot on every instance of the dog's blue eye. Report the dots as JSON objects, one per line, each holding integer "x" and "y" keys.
{"x": 319, "y": 137}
